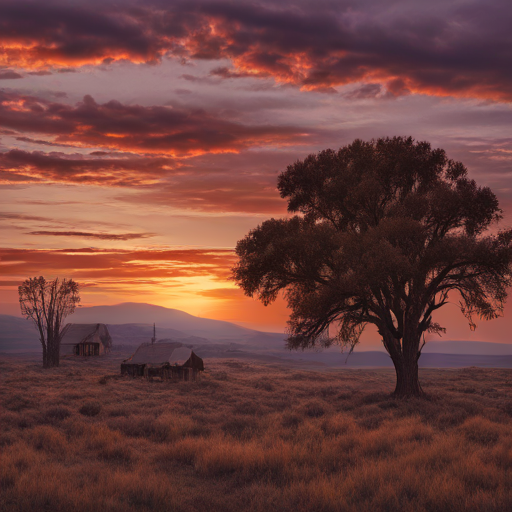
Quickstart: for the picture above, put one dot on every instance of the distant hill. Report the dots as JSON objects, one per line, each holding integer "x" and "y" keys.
{"x": 131, "y": 324}
{"x": 483, "y": 348}
{"x": 135, "y": 334}
{"x": 18, "y": 334}
{"x": 140, "y": 313}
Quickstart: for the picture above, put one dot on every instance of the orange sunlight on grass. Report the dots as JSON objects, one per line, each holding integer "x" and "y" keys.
{"x": 252, "y": 437}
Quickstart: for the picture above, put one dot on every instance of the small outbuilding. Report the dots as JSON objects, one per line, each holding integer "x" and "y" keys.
{"x": 165, "y": 360}
{"x": 85, "y": 340}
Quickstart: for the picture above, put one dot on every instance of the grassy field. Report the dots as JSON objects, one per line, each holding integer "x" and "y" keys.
{"x": 252, "y": 437}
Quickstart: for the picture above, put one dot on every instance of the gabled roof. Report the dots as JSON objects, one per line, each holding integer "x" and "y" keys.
{"x": 78, "y": 333}
{"x": 180, "y": 356}
{"x": 155, "y": 353}
{"x": 173, "y": 353}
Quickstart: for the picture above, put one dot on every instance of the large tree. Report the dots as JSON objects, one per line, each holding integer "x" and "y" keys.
{"x": 386, "y": 231}
{"x": 47, "y": 303}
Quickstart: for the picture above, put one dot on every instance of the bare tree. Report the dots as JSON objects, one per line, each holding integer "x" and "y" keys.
{"x": 386, "y": 231}
{"x": 47, "y": 303}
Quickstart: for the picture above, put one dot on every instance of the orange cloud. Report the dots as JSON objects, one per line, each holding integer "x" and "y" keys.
{"x": 170, "y": 261}
{"x": 455, "y": 49}
{"x": 97, "y": 168}
{"x": 98, "y": 236}
{"x": 153, "y": 130}
{"x": 102, "y": 267}
{"x": 187, "y": 279}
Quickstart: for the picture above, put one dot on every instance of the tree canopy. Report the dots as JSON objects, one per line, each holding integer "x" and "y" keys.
{"x": 384, "y": 232}
{"x": 47, "y": 304}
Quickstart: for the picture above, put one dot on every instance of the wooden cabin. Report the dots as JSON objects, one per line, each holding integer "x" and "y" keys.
{"x": 85, "y": 340}
{"x": 164, "y": 360}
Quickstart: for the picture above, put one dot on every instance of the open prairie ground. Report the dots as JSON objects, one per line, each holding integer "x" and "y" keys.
{"x": 252, "y": 436}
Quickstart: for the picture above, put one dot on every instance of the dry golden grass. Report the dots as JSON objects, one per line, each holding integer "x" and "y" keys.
{"x": 252, "y": 437}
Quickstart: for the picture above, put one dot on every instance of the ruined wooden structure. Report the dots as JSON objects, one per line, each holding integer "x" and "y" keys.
{"x": 85, "y": 340}
{"x": 167, "y": 361}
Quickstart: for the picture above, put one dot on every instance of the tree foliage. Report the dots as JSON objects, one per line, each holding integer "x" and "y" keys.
{"x": 385, "y": 231}
{"x": 47, "y": 304}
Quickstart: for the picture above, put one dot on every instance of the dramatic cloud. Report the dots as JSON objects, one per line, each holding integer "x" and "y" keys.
{"x": 96, "y": 265}
{"x": 196, "y": 184}
{"x": 175, "y": 132}
{"x": 165, "y": 151}
{"x": 6, "y": 74}
{"x": 440, "y": 48}
{"x": 99, "y": 236}
{"x": 209, "y": 101}
{"x": 95, "y": 169}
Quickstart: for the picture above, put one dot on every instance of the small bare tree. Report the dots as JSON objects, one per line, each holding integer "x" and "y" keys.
{"x": 47, "y": 304}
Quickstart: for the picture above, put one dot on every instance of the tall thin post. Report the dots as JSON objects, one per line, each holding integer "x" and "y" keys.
{"x": 153, "y": 339}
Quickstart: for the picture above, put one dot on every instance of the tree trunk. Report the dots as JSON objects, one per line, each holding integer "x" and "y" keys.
{"x": 53, "y": 354}
{"x": 407, "y": 380}
{"x": 45, "y": 355}
{"x": 404, "y": 353}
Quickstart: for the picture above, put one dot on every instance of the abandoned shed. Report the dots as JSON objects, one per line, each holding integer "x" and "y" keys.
{"x": 166, "y": 360}
{"x": 85, "y": 340}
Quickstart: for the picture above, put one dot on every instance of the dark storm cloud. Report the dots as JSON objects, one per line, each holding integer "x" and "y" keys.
{"x": 52, "y": 33}
{"x": 440, "y": 48}
{"x": 7, "y": 74}
{"x": 178, "y": 132}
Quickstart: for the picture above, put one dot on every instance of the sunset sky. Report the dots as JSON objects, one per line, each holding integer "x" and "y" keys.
{"x": 140, "y": 140}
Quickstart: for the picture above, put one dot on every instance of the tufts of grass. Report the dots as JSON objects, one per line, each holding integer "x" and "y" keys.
{"x": 57, "y": 414}
{"x": 252, "y": 437}
{"x": 90, "y": 409}
{"x": 314, "y": 409}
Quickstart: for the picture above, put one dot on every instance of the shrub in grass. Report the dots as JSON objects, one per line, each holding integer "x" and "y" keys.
{"x": 58, "y": 413}
{"x": 481, "y": 431}
{"x": 90, "y": 409}
{"x": 141, "y": 426}
{"x": 16, "y": 403}
{"x": 119, "y": 411}
{"x": 117, "y": 454}
{"x": 241, "y": 427}
{"x": 291, "y": 420}
{"x": 248, "y": 408}
{"x": 314, "y": 410}
{"x": 264, "y": 384}
{"x": 49, "y": 440}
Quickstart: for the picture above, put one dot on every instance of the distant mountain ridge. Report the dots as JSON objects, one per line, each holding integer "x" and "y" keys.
{"x": 132, "y": 323}
{"x": 484, "y": 348}
{"x": 141, "y": 313}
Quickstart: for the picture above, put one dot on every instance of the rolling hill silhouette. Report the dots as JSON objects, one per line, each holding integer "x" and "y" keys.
{"x": 141, "y": 313}
{"x": 132, "y": 323}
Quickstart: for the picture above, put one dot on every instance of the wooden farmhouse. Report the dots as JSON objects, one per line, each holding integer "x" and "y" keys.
{"x": 165, "y": 360}
{"x": 85, "y": 340}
